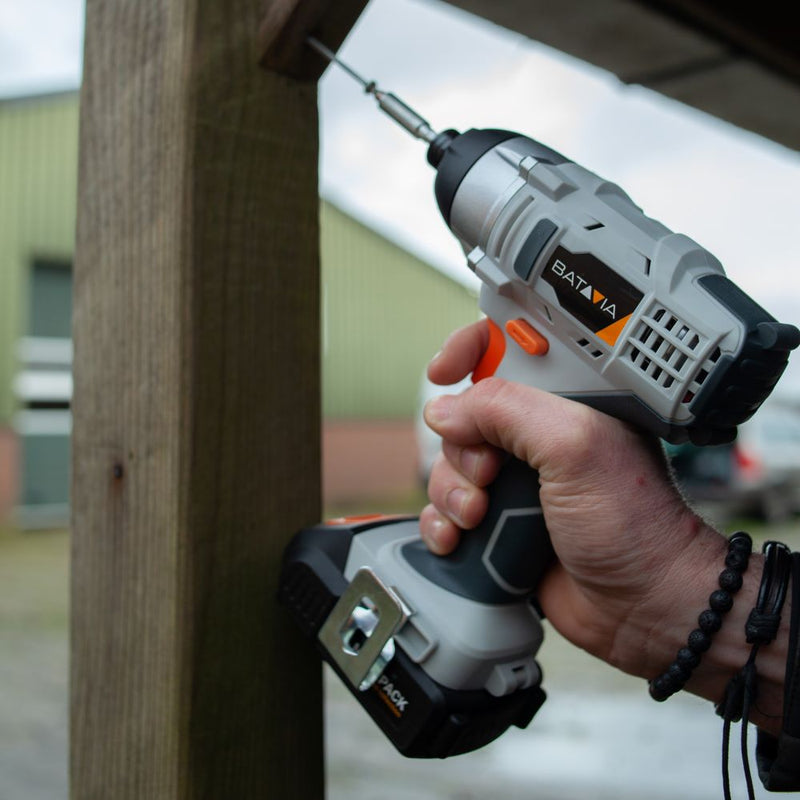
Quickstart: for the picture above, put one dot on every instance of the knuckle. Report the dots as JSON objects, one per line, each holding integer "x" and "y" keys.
{"x": 577, "y": 435}
{"x": 486, "y": 391}
{"x": 499, "y": 407}
{"x": 524, "y": 421}
{"x": 491, "y": 398}
{"x": 438, "y": 471}
{"x": 442, "y": 481}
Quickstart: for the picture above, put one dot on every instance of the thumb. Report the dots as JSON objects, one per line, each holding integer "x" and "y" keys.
{"x": 531, "y": 424}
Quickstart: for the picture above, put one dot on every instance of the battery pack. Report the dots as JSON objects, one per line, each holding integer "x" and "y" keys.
{"x": 421, "y": 717}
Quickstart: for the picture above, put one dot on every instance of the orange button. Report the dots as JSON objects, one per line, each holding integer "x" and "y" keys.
{"x": 527, "y": 337}
{"x": 491, "y": 359}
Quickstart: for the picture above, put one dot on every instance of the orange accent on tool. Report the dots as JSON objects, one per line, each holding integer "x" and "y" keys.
{"x": 491, "y": 359}
{"x": 610, "y": 334}
{"x": 358, "y": 518}
{"x": 527, "y": 337}
{"x": 597, "y": 297}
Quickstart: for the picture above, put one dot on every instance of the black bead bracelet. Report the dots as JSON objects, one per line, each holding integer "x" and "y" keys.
{"x": 674, "y": 678}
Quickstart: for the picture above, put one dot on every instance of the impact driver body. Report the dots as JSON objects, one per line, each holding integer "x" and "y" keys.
{"x": 590, "y": 299}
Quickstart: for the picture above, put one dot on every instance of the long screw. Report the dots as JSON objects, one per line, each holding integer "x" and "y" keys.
{"x": 402, "y": 114}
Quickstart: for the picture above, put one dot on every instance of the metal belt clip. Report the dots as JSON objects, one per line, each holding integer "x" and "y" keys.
{"x": 358, "y": 632}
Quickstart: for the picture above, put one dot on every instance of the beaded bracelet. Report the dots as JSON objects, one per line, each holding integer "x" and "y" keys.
{"x": 674, "y": 678}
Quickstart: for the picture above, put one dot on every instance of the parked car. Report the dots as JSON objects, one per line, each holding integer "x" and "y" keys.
{"x": 758, "y": 473}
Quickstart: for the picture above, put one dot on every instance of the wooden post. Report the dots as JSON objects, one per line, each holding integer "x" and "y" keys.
{"x": 196, "y": 409}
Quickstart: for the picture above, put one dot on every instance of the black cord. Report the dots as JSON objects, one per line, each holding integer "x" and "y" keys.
{"x": 778, "y": 756}
{"x": 749, "y": 693}
{"x": 761, "y": 628}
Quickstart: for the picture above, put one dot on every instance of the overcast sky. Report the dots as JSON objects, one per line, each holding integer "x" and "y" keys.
{"x": 733, "y": 192}
{"x": 696, "y": 174}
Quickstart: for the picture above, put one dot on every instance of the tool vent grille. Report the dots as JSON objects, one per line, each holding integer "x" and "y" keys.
{"x": 666, "y": 349}
{"x": 592, "y": 349}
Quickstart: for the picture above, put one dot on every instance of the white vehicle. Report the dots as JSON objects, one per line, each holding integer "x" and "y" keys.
{"x": 758, "y": 473}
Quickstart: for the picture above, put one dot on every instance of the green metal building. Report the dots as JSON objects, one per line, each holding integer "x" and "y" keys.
{"x": 385, "y": 312}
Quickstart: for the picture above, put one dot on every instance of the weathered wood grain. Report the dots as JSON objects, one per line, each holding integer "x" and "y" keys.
{"x": 196, "y": 409}
{"x": 286, "y": 25}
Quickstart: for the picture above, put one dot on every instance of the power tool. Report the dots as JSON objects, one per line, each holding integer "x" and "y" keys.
{"x": 590, "y": 299}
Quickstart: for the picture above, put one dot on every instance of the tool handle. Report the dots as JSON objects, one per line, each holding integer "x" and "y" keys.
{"x": 505, "y": 557}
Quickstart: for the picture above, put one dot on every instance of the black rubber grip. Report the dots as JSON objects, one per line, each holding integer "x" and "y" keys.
{"x": 505, "y": 557}
{"x": 738, "y": 385}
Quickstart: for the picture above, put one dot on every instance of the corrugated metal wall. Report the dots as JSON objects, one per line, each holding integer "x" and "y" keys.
{"x": 385, "y": 312}
{"x": 38, "y": 180}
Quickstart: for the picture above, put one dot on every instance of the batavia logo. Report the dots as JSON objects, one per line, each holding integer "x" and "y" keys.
{"x": 575, "y": 278}
{"x": 584, "y": 288}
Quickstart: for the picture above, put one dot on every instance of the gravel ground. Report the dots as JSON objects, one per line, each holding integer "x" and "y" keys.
{"x": 598, "y": 736}
{"x": 604, "y": 740}
{"x": 33, "y": 666}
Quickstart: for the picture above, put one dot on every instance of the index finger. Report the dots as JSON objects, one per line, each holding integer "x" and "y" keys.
{"x": 460, "y": 354}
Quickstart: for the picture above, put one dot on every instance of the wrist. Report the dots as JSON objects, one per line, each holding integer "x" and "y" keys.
{"x": 658, "y": 629}
{"x": 651, "y": 634}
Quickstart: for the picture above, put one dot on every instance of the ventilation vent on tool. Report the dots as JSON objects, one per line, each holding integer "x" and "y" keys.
{"x": 700, "y": 378}
{"x": 664, "y": 348}
{"x": 594, "y": 226}
{"x": 589, "y": 347}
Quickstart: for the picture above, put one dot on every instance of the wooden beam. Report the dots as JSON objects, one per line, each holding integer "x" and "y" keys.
{"x": 287, "y": 24}
{"x": 196, "y": 409}
{"x": 738, "y": 62}
{"x": 758, "y": 31}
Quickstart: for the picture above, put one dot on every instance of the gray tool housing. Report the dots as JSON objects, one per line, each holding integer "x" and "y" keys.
{"x": 647, "y": 339}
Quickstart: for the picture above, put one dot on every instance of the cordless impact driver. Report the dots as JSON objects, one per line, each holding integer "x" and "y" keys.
{"x": 590, "y": 299}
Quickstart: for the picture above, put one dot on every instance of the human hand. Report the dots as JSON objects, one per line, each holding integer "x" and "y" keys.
{"x": 626, "y": 541}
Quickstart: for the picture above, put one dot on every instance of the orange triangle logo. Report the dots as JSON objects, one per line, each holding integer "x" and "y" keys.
{"x": 597, "y": 297}
{"x": 612, "y": 332}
